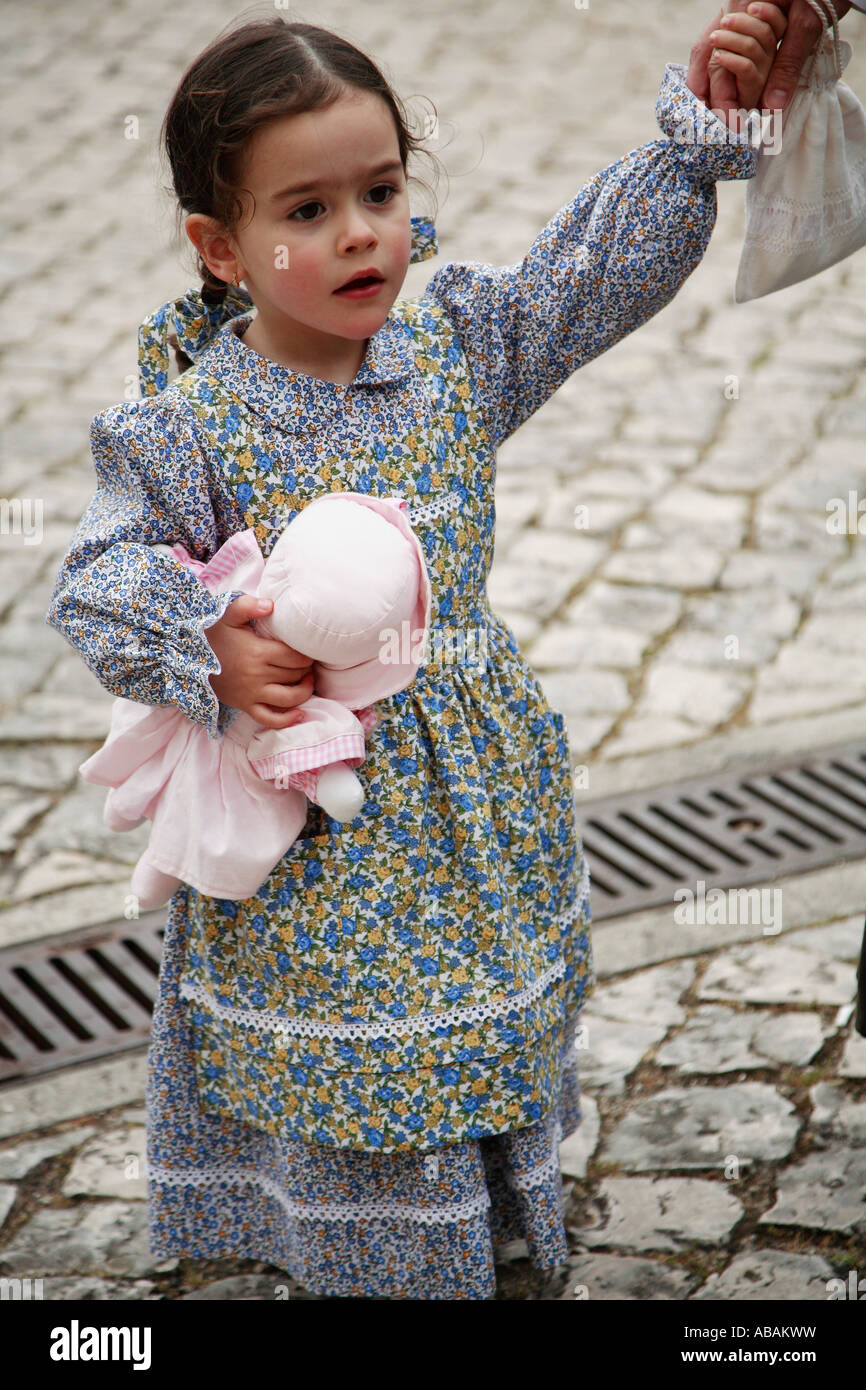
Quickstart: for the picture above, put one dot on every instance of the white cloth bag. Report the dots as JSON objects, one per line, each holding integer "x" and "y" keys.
{"x": 806, "y": 205}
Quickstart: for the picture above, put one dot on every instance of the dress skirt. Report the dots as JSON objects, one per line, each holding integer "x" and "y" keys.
{"x": 415, "y": 1224}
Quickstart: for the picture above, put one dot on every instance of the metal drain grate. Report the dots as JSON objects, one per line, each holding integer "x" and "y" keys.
{"x": 90, "y": 993}
{"x": 732, "y": 829}
{"x": 73, "y": 998}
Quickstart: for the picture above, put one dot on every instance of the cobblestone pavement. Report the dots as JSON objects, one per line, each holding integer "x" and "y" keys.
{"x": 702, "y": 615}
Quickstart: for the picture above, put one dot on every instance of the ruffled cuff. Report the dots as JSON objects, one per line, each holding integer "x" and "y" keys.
{"x": 174, "y": 659}
{"x": 707, "y": 147}
{"x": 140, "y": 628}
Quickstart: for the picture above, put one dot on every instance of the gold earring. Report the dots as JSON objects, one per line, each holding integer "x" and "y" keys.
{"x": 236, "y": 281}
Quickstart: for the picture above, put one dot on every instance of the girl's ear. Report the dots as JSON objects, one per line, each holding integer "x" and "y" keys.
{"x": 213, "y": 245}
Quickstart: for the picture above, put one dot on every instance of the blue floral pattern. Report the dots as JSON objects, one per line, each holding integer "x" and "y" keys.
{"x": 375, "y": 1051}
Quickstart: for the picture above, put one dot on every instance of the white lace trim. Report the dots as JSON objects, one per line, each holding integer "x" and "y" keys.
{"x": 372, "y": 1210}
{"x": 784, "y": 224}
{"x": 431, "y": 511}
{"x": 266, "y": 1020}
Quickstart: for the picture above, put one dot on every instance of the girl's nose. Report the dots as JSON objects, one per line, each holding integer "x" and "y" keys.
{"x": 357, "y": 231}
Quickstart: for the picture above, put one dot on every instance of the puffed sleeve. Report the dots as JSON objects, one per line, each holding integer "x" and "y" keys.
{"x": 137, "y": 616}
{"x": 609, "y": 259}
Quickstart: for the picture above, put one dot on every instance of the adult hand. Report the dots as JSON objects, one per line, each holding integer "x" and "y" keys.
{"x": 261, "y": 676}
{"x": 802, "y": 34}
{"x": 800, "y": 38}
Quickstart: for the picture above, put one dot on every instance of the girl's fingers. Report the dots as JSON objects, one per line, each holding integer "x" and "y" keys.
{"x": 287, "y": 696}
{"x": 272, "y": 719}
{"x": 750, "y": 34}
{"x": 768, "y": 14}
{"x": 696, "y": 78}
{"x": 281, "y": 656}
{"x": 286, "y": 671}
{"x": 741, "y": 71}
{"x": 727, "y": 41}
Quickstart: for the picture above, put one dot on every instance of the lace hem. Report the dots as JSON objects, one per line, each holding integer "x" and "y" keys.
{"x": 784, "y": 224}
{"x": 267, "y": 1020}
{"x": 431, "y": 511}
{"x": 375, "y": 1210}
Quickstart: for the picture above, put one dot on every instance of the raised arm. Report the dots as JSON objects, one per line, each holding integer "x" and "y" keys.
{"x": 609, "y": 260}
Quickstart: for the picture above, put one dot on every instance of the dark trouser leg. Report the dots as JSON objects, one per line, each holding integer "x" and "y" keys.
{"x": 860, "y": 1014}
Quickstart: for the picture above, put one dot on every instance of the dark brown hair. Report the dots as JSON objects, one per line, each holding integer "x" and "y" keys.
{"x": 248, "y": 75}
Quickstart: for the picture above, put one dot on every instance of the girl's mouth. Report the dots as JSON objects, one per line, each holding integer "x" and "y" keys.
{"x": 361, "y": 287}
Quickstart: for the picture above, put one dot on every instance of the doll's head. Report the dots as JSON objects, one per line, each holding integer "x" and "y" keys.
{"x": 289, "y": 154}
{"x": 339, "y": 576}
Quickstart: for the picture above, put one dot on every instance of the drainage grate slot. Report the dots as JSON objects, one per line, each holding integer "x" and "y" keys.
{"x": 609, "y": 850}
{"x": 126, "y": 972}
{"x": 79, "y": 996}
{"x": 24, "y": 1025}
{"x": 727, "y": 800}
{"x": 826, "y": 799}
{"x": 733, "y": 829}
{"x": 54, "y": 1025}
{"x": 668, "y": 815}
{"x": 144, "y": 957}
{"x": 774, "y": 793}
{"x": 837, "y": 785}
{"x": 632, "y": 849}
{"x": 666, "y": 857}
{"x": 671, "y": 834}
{"x": 92, "y": 996}
{"x": 52, "y": 1001}
{"x": 843, "y": 775}
{"x": 791, "y": 839}
{"x": 89, "y": 994}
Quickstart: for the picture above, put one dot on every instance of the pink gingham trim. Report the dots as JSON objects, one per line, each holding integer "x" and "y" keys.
{"x": 345, "y": 747}
{"x": 367, "y": 717}
{"x": 306, "y": 782}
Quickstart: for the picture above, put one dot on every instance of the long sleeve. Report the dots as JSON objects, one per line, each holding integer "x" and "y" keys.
{"x": 136, "y": 616}
{"x": 607, "y": 261}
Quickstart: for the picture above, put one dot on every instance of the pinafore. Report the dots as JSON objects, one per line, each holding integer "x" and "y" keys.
{"x": 362, "y": 1073}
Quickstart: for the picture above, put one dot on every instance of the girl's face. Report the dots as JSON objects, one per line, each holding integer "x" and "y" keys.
{"x": 330, "y": 201}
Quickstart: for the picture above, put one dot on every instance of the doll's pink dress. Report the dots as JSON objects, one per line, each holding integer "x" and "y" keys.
{"x": 224, "y": 811}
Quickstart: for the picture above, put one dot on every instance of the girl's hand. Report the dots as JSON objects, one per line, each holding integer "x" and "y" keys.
{"x": 260, "y": 675}
{"x": 732, "y": 58}
{"x": 745, "y": 49}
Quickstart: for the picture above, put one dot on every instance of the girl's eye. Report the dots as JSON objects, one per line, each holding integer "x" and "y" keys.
{"x": 389, "y": 189}
{"x": 301, "y": 209}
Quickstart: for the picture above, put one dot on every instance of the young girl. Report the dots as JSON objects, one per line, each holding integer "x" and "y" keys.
{"x": 362, "y": 1074}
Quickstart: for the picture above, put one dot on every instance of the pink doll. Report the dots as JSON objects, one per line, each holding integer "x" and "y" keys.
{"x": 347, "y": 576}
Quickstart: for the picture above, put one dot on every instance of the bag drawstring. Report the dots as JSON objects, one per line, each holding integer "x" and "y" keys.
{"x": 822, "y": 8}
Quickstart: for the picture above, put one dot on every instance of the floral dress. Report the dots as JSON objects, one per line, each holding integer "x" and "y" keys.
{"x": 362, "y": 1073}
